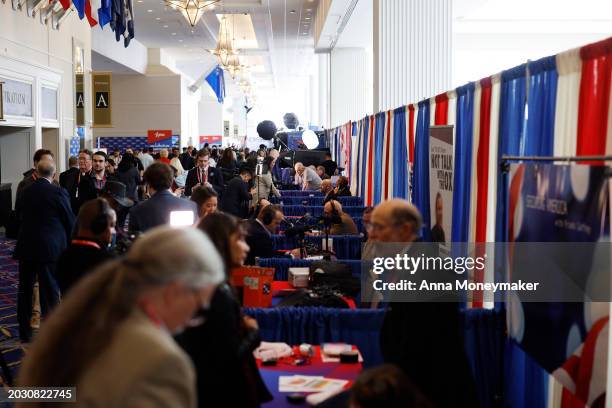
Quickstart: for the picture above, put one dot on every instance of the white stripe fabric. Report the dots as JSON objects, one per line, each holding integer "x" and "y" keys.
{"x": 474, "y": 173}
{"x": 452, "y": 110}
{"x": 492, "y": 181}
{"x": 432, "y": 111}
{"x": 569, "y": 67}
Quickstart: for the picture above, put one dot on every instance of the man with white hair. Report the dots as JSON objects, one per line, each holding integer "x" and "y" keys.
{"x": 306, "y": 178}
{"x": 47, "y": 221}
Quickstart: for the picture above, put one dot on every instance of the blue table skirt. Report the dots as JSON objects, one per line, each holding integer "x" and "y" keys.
{"x": 345, "y": 246}
{"x": 316, "y": 325}
{"x": 314, "y": 223}
{"x": 314, "y": 200}
{"x": 282, "y": 265}
{"x": 317, "y": 210}
{"x": 300, "y": 193}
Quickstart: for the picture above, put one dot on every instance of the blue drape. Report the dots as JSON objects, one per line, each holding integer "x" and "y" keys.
{"x": 282, "y": 265}
{"x": 400, "y": 154}
{"x": 526, "y": 383}
{"x": 379, "y": 143}
{"x": 420, "y": 190}
{"x": 216, "y": 80}
{"x": 363, "y": 153}
{"x": 463, "y": 163}
{"x": 105, "y": 12}
{"x": 511, "y": 126}
{"x": 542, "y": 102}
{"x": 315, "y": 325}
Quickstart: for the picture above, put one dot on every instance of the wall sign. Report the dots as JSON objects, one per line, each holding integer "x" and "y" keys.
{"x": 80, "y": 100}
{"x": 102, "y": 112}
{"x": 49, "y": 103}
{"x": 226, "y": 128}
{"x": 155, "y": 136}
{"x": 17, "y": 98}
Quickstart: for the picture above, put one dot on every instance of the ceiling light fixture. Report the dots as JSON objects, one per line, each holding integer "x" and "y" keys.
{"x": 224, "y": 51}
{"x": 192, "y": 10}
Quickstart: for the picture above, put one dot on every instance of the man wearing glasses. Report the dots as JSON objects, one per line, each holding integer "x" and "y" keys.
{"x": 80, "y": 183}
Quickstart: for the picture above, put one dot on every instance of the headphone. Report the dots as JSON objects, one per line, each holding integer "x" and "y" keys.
{"x": 100, "y": 223}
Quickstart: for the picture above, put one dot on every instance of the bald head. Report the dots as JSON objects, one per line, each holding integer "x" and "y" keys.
{"x": 396, "y": 221}
{"x": 46, "y": 168}
{"x": 299, "y": 168}
{"x": 274, "y": 154}
{"x": 326, "y": 186}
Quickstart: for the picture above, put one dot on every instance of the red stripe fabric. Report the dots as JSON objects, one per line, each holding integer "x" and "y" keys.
{"x": 594, "y": 98}
{"x": 482, "y": 180}
{"x": 65, "y": 4}
{"x": 387, "y": 151}
{"x": 411, "y": 134}
{"x": 369, "y": 195}
{"x": 441, "y": 117}
{"x": 92, "y": 21}
{"x": 587, "y": 358}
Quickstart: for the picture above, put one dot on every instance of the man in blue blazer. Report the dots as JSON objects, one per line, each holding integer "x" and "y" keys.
{"x": 156, "y": 210}
{"x": 46, "y": 226}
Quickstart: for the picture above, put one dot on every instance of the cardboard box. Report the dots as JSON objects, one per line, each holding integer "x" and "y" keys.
{"x": 298, "y": 277}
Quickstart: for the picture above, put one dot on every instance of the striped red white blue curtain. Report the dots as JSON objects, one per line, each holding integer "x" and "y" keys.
{"x": 420, "y": 190}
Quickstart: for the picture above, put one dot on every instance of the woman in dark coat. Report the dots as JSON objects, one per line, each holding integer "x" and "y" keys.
{"x": 128, "y": 174}
{"x": 222, "y": 347}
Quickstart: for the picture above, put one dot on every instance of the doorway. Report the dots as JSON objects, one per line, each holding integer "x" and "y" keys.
{"x": 14, "y": 155}
{"x": 50, "y": 141}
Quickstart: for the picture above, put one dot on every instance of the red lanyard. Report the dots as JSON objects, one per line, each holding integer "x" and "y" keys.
{"x": 100, "y": 183}
{"x": 34, "y": 176}
{"x": 85, "y": 243}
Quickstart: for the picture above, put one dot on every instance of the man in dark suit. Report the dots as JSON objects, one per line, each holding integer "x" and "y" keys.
{"x": 88, "y": 249}
{"x": 329, "y": 165}
{"x": 187, "y": 160}
{"x": 30, "y": 176}
{"x": 236, "y": 197}
{"x": 80, "y": 185}
{"x": 204, "y": 175}
{"x": 421, "y": 337}
{"x": 45, "y": 232}
{"x": 156, "y": 210}
{"x": 259, "y": 233}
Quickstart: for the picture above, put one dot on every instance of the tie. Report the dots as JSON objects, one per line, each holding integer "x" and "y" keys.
{"x": 205, "y": 176}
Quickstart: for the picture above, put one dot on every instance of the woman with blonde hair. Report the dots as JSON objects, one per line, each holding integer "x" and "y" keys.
{"x": 111, "y": 337}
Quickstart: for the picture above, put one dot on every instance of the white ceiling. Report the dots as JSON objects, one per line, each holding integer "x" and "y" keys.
{"x": 282, "y": 28}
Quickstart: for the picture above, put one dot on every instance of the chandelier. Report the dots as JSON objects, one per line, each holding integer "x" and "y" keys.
{"x": 225, "y": 50}
{"x": 192, "y": 10}
{"x": 234, "y": 67}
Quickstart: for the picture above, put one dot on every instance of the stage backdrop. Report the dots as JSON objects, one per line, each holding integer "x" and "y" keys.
{"x": 441, "y": 158}
{"x": 561, "y": 203}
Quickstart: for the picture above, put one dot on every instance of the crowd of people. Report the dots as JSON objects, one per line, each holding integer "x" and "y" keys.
{"x": 113, "y": 275}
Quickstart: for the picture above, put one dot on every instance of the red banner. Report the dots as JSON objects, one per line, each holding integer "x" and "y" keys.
{"x": 211, "y": 140}
{"x": 154, "y": 136}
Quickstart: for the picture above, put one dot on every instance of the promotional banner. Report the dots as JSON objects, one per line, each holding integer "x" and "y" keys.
{"x": 211, "y": 140}
{"x": 441, "y": 165}
{"x": 158, "y": 136}
{"x": 80, "y": 100}
{"x": 101, "y": 92}
{"x": 561, "y": 204}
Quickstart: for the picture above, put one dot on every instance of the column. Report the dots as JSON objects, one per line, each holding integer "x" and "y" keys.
{"x": 412, "y": 51}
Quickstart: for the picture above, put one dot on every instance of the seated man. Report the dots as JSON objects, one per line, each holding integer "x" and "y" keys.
{"x": 156, "y": 210}
{"x": 327, "y": 190}
{"x": 259, "y": 233}
{"x": 342, "y": 187}
{"x": 95, "y": 230}
{"x": 340, "y": 222}
{"x": 306, "y": 178}
{"x": 321, "y": 173}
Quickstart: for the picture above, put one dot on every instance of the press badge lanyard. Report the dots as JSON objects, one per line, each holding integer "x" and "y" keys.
{"x": 200, "y": 176}
{"x": 85, "y": 243}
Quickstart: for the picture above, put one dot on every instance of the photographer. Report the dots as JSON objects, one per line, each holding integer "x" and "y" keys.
{"x": 259, "y": 233}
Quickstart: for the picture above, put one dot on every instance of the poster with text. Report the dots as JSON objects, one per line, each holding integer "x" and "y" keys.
{"x": 559, "y": 204}
{"x": 441, "y": 165}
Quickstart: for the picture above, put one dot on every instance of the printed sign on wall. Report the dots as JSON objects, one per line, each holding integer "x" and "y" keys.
{"x": 80, "y": 100}
{"x": 154, "y": 136}
{"x": 16, "y": 98}
{"x": 102, "y": 112}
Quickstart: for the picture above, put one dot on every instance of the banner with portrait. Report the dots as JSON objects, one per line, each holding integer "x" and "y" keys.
{"x": 441, "y": 166}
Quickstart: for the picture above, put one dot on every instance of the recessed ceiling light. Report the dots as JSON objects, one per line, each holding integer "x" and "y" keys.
{"x": 307, "y": 18}
{"x": 158, "y": 18}
{"x": 140, "y": 1}
{"x": 149, "y": 11}
{"x": 292, "y": 12}
{"x": 180, "y": 40}
{"x": 165, "y": 25}
{"x": 173, "y": 33}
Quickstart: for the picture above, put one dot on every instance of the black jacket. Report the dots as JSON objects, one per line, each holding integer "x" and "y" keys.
{"x": 330, "y": 167}
{"x": 131, "y": 179}
{"x": 156, "y": 211}
{"x": 222, "y": 352}
{"x": 214, "y": 177}
{"x": 259, "y": 241}
{"x": 236, "y": 198}
{"x": 187, "y": 161}
{"x": 81, "y": 187}
{"x": 78, "y": 260}
{"x": 46, "y": 224}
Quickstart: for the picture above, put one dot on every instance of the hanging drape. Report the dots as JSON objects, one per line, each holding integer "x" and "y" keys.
{"x": 377, "y": 164}
{"x": 594, "y": 98}
{"x": 369, "y": 197}
{"x": 463, "y": 163}
{"x": 569, "y": 68}
{"x": 511, "y": 126}
{"x": 441, "y": 112}
{"x": 389, "y": 163}
{"x": 541, "y": 106}
{"x": 400, "y": 154}
{"x": 354, "y": 161}
{"x": 420, "y": 191}
{"x": 360, "y": 165}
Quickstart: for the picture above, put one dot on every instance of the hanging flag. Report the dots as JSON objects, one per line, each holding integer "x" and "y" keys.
{"x": 65, "y": 3}
{"x": 105, "y": 12}
{"x": 84, "y": 9}
{"x": 118, "y": 18}
{"x": 216, "y": 81}
{"x": 128, "y": 14}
